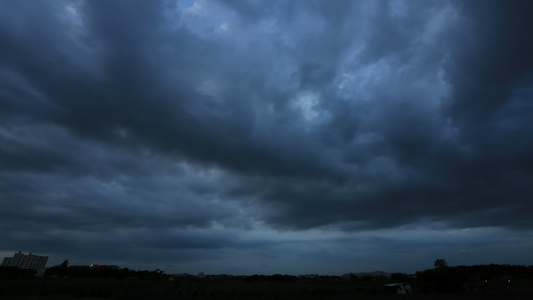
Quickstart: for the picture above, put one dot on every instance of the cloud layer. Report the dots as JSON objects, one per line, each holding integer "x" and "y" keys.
{"x": 251, "y": 137}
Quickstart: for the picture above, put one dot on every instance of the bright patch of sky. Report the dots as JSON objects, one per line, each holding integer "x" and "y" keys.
{"x": 206, "y": 18}
{"x": 307, "y": 103}
{"x": 358, "y": 82}
{"x": 187, "y": 3}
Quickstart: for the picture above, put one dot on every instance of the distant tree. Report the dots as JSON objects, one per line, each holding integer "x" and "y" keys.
{"x": 398, "y": 276}
{"x": 64, "y": 264}
{"x": 440, "y": 263}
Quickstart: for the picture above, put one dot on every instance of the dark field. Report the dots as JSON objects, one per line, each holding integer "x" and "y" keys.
{"x": 232, "y": 288}
{"x": 443, "y": 282}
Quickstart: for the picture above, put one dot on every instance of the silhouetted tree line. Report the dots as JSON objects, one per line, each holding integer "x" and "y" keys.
{"x": 16, "y": 273}
{"x": 270, "y": 278}
{"x": 459, "y": 278}
{"x": 442, "y": 278}
{"x": 102, "y": 272}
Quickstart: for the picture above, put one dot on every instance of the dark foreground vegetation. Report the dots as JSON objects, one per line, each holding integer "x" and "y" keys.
{"x": 107, "y": 282}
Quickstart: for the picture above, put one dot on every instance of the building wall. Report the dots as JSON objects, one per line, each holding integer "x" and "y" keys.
{"x": 23, "y": 261}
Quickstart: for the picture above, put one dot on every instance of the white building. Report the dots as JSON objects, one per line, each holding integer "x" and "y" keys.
{"x": 400, "y": 288}
{"x": 23, "y": 261}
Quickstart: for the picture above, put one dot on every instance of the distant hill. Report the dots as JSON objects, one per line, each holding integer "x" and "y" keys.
{"x": 373, "y": 274}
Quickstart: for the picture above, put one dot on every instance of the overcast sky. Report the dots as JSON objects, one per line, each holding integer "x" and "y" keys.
{"x": 265, "y": 137}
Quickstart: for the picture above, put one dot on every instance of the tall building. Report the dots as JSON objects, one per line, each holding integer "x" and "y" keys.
{"x": 23, "y": 261}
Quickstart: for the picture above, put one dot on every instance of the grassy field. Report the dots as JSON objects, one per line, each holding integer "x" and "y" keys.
{"x": 460, "y": 282}
{"x": 89, "y": 289}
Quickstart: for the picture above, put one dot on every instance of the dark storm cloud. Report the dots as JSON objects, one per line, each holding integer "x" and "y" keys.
{"x": 154, "y": 118}
{"x": 136, "y": 101}
{"x": 491, "y": 103}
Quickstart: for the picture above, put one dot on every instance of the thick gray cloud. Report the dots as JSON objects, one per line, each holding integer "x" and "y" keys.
{"x": 237, "y": 136}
